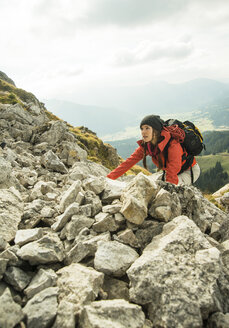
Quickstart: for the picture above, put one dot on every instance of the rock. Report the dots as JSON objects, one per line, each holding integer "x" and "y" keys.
{"x": 86, "y": 247}
{"x": 61, "y": 220}
{"x": 77, "y": 223}
{"x": 78, "y": 285}
{"x": 3, "y": 264}
{"x": 42, "y": 188}
{"x": 17, "y": 278}
{"x": 95, "y": 184}
{"x": 27, "y": 177}
{"x": 112, "y": 209}
{"x": 165, "y": 206}
{"x": 113, "y": 190}
{"x": 10, "y": 255}
{"x": 55, "y": 132}
{"x": 221, "y": 191}
{"x": 112, "y": 313}
{"x": 48, "y": 249}
{"x": 70, "y": 195}
{"x": 3, "y": 244}
{"x": 105, "y": 222}
{"x": 10, "y": 312}
{"x": 114, "y": 258}
{"x": 218, "y": 320}
{"x": 127, "y": 237}
{"x": 42, "y": 280}
{"x": 70, "y": 152}
{"x": 136, "y": 197}
{"x": 181, "y": 270}
{"x": 25, "y": 236}
{"x": 91, "y": 198}
{"x": 42, "y": 308}
{"x": 81, "y": 170}
{"x": 65, "y": 316}
{"x": 5, "y": 172}
{"x": 51, "y": 161}
{"x": 116, "y": 289}
{"x": 11, "y": 209}
{"x": 147, "y": 231}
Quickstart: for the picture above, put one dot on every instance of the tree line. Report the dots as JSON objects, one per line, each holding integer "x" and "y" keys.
{"x": 216, "y": 142}
{"x": 213, "y": 179}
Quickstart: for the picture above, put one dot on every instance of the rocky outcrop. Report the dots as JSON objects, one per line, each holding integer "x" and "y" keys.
{"x": 80, "y": 250}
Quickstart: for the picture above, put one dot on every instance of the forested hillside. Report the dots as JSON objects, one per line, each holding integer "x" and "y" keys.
{"x": 216, "y": 142}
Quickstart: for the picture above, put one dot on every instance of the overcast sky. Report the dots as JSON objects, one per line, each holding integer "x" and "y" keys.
{"x": 68, "y": 49}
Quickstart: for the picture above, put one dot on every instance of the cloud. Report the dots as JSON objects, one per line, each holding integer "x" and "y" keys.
{"x": 148, "y": 51}
{"x": 132, "y": 12}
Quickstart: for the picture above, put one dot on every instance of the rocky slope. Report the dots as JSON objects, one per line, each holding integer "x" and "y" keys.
{"x": 80, "y": 250}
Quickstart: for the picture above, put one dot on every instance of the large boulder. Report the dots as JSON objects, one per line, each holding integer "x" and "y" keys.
{"x": 181, "y": 271}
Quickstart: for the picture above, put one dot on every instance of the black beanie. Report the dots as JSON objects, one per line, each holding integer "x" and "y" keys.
{"x": 154, "y": 121}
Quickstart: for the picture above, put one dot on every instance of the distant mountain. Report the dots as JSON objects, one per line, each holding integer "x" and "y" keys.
{"x": 123, "y": 107}
{"x": 98, "y": 119}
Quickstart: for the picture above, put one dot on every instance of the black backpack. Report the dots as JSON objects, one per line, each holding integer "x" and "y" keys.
{"x": 190, "y": 139}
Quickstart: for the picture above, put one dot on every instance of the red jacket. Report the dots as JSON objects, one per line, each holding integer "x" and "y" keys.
{"x": 173, "y": 164}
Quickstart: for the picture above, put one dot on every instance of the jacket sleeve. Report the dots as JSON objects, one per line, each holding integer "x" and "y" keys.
{"x": 127, "y": 164}
{"x": 174, "y": 162}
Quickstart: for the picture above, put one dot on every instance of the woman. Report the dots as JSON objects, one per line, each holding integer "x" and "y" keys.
{"x": 167, "y": 154}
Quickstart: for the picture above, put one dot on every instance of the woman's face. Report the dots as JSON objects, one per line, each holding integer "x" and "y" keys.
{"x": 149, "y": 134}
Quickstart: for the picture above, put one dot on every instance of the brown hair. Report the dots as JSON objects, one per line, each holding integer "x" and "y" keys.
{"x": 157, "y": 138}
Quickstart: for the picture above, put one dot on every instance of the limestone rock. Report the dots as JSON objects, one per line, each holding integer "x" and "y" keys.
{"x": 91, "y": 198}
{"x": 42, "y": 280}
{"x": 95, "y": 184}
{"x": 113, "y": 314}
{"x": 114, "y": 258}
{"x": 165, "y": 206}
{"x": 136, "y": 198}
{"x": 81, "y": 170}
{"x": 70, "y": 195}
{"x": 42, "y": 308}
{"x": 17, "y": 278}
{"x": 48, "y": 249}
{"x": 116, "y": 289}
{"x": 78, "y": 285}
{"x": 62, "y": 219}
{"x": 77, "y": 223}
{"x": 65, "y": 315}
{"x": 104, "y": 222}
{"x": 218, "y": 320}
{"x": 25, "y": 236}
{"x": 86, "y": 247}
{"x": 10, "y": 312}
{"x": 11, "y": 209}
{"x": 181, "y": 270}
{"x": 113, "y": 190}
{"x": 53, "y": 163}
{"x": 3, "y": 264}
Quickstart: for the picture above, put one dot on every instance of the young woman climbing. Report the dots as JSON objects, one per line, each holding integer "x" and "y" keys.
{"x": 166, "y": 153}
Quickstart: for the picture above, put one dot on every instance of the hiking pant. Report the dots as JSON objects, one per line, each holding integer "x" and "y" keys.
{"x": 183, "y": 178}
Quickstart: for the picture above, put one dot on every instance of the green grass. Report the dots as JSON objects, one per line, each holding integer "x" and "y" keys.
{"x": 209, "y": 161}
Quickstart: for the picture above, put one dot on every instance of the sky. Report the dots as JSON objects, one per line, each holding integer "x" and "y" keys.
{"x": 72, "y": 49}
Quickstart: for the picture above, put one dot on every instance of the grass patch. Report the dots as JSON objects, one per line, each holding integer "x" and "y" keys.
{"x": 211, "y": 199}
{"x": 208, "y": 161}
{"x": 23, "y": 95}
